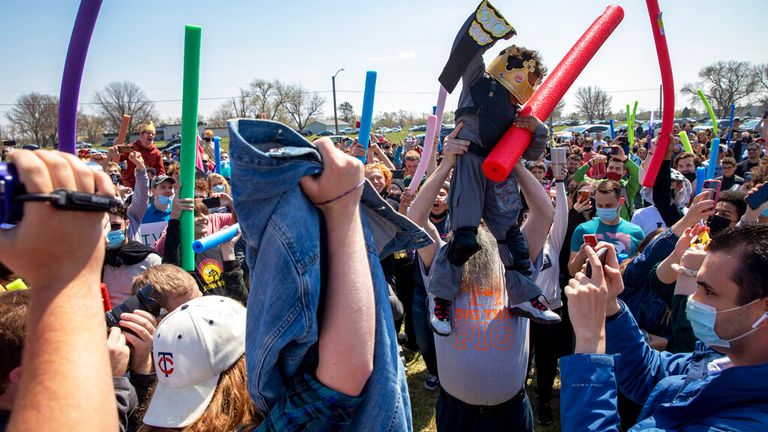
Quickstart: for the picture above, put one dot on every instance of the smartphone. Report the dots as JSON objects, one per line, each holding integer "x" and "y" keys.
{"x": 747, "y": 176}
{"x": 212, "y": 202}
{"x": 583, "y": 195}
{"x": 591, "y": 240}
{"x": 713, "y": 187}
{"x": 757, "y": 198}
{"x": 601, "y": 254}
{"x": 125, "y": 149}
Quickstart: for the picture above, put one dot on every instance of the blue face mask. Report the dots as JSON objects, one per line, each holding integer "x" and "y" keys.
{"x": 764, "y": 213}
{"x": 607, "y": 215}
{"x": 115, "y": 239}
{"x": 703, "y": 318}
{"x": 219, "y": 188}
{"x": 165, "y": 200}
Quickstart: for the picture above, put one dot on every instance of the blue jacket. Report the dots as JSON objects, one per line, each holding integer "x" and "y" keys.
{"x": 647, "y": 307}
{"x": 285, "y": 240}
{"x": 676, "y": 390}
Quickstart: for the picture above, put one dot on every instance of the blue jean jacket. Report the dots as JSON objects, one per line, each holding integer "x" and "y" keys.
{"x": 284, "y": 233}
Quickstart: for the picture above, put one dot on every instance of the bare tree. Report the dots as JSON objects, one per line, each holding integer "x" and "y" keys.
{"x": 300, "y": 104}
{"x": 761, "y": 74}
{"x": 557, "y": 113}
{"x": 593, "y": 102}
{"x": 346, "y": 112}
{"x": 90, "y": 128}
{"x": 124, "y": 97}
{"x": 724, "y": 83}
{"x": 219, "y": 117}
{"x": 35, "y": 117}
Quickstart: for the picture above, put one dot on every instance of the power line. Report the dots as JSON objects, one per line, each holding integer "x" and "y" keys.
{"x": 396, "y": 92}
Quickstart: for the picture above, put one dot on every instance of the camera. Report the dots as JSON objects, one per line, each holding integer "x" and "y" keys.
{"x": 13, "y": 194}
{"x": 144, "y": 300}
{"x": 11, "y": 210}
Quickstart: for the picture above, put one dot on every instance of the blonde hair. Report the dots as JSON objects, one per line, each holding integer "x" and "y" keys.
{"x": 230, "y": 407}
{"x": 168, "y": 280}
{"x": 412, "y": 155}
{"x": 224, "y": 181}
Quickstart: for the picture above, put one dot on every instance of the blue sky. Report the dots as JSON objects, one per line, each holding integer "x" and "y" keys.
{"x": 406, "y": 42}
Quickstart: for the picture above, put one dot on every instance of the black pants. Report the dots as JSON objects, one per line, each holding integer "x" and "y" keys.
{"x": 550, "y": 342}
{"x": 454, "y": 415}
{"x": 403, "y": 275}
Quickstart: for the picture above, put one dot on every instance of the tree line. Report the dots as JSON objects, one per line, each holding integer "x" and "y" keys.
{"x": 34, "y": 116}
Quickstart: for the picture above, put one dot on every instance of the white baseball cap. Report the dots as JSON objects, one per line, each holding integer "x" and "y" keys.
{"x": 192, "y": 346}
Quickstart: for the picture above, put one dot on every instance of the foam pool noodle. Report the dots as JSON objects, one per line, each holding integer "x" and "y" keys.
{"x": 686, "y": 143}
{"x": 126, "y": 121}
{"x": 701, "y": 174}
{"x": 218, "y": 238}
{"x": 668, "y": 88}
{"x": 191, "y": 92}
{"x": 217, "y": 154}
{"x": 515, "y": 140}
{"x": 73, "y": 72}
{"x": 426, "y": 154}
{"x": 364, "y": 135}
{"x": 714, "y": 150}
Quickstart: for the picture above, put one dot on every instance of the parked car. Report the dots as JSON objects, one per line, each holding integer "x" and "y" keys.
{"x": 170, "y": 143}
{"x": 81, "y": 144}
{"x": 419, "y": 128}
{"x": 722, "y": 124}
{"x": 349, "y": 131}
{"x": 325, "y": 133}
{"x": 396, "y": 129}
{"x": 306, "y": 132}
{"x": 591, "y": 129}
{"x": 751, "y": 125}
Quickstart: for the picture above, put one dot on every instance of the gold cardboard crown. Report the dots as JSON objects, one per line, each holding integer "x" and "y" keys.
{"x": 516, "y": 81}
{"x": 488, "y": 25}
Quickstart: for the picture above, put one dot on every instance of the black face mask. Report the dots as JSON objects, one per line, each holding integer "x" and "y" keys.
{"x": 691, "y": 177}
{"x": 115, "y": 178}
{"x": 718, "y": 223}
{"x": 207, "y": 139}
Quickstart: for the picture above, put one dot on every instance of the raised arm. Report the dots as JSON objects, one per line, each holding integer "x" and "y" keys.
{"x": 419, "y": 210}
{"x": 535, "y": 229}
{"x": 67, "y": 378}
{"x": 345, "y": 352}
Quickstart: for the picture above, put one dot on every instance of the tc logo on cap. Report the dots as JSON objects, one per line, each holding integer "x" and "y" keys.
{"x": 165, "y": 363}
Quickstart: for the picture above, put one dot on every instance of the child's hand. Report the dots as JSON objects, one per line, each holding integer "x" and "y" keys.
{"x": 528, "y": 122}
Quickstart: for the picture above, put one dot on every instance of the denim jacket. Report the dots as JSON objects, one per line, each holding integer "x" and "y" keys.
{"x": 284, "y": 233}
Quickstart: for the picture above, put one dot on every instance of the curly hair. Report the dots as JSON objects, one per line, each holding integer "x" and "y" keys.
{"x": 517, "y": 55}
{"x": 378, "y": 166}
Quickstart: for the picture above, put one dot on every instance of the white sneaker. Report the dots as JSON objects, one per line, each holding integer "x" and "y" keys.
{"x": 439, "y": 315}
{"x": 537, "y": 310}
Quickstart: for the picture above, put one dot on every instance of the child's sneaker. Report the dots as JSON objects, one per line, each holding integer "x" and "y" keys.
{"x": 432, "y": 383}
{"x": 439, "y": 315}
{"x": 537, "y": 310}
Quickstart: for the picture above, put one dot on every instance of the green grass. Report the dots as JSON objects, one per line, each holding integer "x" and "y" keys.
{"x": 423, "y": 400}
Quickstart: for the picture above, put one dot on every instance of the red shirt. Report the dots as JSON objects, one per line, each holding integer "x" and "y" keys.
{"x": 152, "y": 159}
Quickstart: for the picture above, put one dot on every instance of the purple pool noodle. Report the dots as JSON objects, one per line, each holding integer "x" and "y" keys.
{"x": 73, "y": 72}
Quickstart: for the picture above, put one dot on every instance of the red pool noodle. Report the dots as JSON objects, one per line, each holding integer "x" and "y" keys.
{"x": 105, "y": 297}
{"x": 668, "y": 86}
{"x": 511, "y": 146}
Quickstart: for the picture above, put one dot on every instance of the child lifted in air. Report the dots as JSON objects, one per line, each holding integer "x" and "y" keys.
{"x": 489, "y": 102}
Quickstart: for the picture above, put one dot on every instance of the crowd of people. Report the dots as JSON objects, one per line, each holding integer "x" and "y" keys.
{"x": 651, "y": 303}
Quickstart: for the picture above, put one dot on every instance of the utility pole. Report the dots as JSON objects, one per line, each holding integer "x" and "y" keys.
{"x": 333, "y": 84}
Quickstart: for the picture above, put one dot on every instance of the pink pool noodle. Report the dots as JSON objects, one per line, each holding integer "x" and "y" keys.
{"x": 668, "y": 86}
{"x": 510, "y": 148}
{"x": 441, "y": 95}
{"x": 426, "y": 154}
